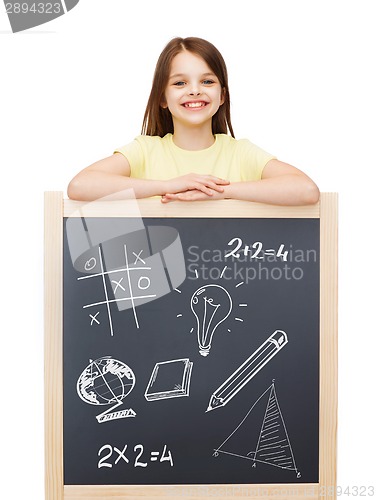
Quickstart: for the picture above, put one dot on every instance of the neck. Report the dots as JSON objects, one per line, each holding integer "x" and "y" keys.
{"x": 193, "y": 138}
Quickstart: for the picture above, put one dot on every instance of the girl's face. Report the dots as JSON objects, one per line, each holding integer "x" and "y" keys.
{"x": 193, "y": 93}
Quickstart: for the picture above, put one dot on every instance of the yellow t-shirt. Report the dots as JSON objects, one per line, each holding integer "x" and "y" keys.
{"x": 158, "y": 158}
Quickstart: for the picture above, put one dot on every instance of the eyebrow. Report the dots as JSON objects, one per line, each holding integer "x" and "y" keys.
{"x": 180, "y": 75}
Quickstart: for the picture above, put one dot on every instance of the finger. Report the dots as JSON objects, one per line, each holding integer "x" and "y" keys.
{"x": 211, "y": 184}
{"x": 167, "y": 198}
{"x": 218, "y": 180}
{"x": 216, "y": 187}
{"x": 203, "y": 188}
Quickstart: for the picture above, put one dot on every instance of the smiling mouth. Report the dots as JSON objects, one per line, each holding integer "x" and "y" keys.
{"x": 195, "y": 104}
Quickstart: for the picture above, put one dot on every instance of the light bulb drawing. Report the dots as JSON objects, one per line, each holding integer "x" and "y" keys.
{"x": 211, "y": 305}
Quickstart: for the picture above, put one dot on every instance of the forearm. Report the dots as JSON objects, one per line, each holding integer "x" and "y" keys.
{"x": 93, "y": 185}
{"x": 282, "y": 190}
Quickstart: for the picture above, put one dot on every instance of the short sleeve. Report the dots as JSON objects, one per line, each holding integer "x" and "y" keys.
{"x": 134, "y": 154}
{"x": 252, "y": 160}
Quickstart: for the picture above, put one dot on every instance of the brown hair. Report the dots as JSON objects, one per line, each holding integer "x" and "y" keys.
{"x": 158, "y": 120}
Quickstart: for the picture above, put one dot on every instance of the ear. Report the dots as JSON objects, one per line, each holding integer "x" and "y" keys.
{"x": 163, "y": 103}
{"x": 223, "y": 96}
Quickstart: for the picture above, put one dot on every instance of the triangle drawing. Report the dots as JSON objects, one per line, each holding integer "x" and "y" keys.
{"x": 273, "y": 445}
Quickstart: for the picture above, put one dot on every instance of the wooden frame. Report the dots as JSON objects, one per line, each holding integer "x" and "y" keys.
{"x": 55, "y": 209}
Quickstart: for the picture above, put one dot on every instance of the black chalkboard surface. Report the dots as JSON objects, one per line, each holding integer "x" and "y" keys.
{"x": 191, "y": 351}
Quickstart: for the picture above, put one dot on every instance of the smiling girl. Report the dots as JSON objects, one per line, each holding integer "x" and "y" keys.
{"x": 187, "y": 150}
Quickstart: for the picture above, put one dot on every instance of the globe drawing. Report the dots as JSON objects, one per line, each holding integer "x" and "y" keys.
{"x": 105, "y": 381}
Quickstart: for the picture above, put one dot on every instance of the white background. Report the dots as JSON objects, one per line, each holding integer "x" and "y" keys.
{"x": 302, "y": 80}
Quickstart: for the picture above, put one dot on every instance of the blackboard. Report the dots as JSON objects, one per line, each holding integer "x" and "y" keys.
{"x": 149, "y": 397}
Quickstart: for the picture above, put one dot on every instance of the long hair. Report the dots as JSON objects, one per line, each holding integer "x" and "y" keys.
{"x": 158, "y": 120}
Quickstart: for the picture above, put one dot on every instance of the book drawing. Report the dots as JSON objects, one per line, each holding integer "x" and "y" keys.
{"x": 169, "y": 379}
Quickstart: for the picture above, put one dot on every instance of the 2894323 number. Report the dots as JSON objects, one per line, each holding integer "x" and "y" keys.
{"x": 34, "y": 8}
{"x": 349, "y": 491}
{"x": 356, "y": 491}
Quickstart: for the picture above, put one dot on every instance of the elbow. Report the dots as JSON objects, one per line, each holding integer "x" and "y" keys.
{"x": 310, "y": 194}
{"x": 75, "y": 190}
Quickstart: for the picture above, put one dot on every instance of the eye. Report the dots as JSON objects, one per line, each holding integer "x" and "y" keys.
{"x": 179, "y": 84}
{"x": 208, "y": 82}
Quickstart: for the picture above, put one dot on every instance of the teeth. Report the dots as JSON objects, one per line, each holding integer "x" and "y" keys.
{"x": 194, "y": 104}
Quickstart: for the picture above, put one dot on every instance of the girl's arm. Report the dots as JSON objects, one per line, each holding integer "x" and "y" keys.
{"x": 281, "y": 184}
{"x": 112, "y": 175}
{"x": 106, "y": 177}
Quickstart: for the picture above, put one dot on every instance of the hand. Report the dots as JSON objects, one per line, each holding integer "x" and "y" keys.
{"x": 207, "y": 184}
{"x": 191, "y": 195}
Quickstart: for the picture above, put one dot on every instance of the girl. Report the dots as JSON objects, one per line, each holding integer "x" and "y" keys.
{"x": 187, "y": 150}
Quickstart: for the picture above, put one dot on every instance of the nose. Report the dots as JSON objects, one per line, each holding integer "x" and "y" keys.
{"x": 194, "y": 90}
